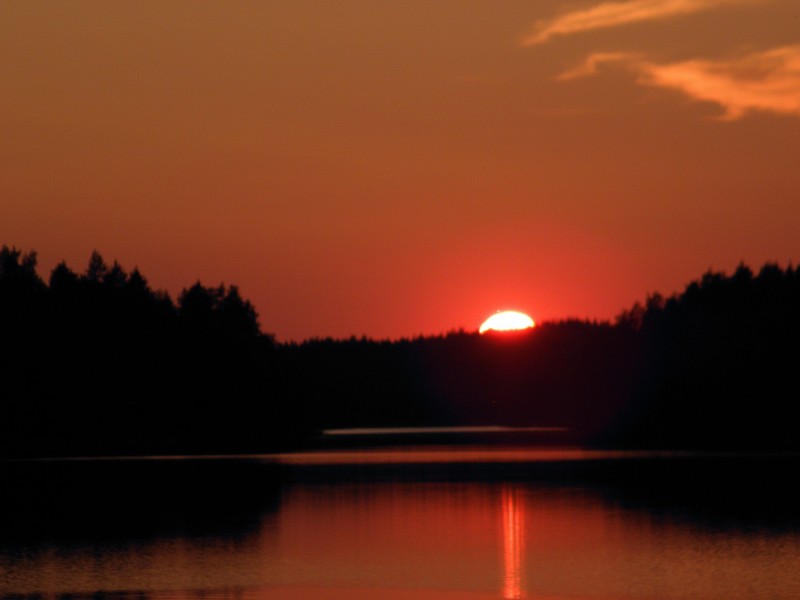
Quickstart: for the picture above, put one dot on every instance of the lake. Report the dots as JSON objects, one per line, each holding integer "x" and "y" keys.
{"x": 448, "y": 522}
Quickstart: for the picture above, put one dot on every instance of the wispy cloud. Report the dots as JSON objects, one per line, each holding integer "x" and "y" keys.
{"x": 766, "y": 81}
{"x": 611, "y": 14}
{"x": 591, "y": 64}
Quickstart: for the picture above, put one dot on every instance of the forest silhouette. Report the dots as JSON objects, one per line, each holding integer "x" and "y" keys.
{"x": 98, "y": 363}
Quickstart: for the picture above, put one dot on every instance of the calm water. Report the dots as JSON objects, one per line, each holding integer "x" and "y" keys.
{"x": 439, "y": 523}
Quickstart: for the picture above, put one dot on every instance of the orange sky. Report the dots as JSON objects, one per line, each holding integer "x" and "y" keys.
{"x": 397, "y": 168}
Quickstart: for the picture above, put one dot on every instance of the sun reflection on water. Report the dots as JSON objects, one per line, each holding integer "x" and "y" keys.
{"x": 513, "y": 544}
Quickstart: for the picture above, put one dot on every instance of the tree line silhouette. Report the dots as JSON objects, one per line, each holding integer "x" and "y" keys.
{"x": 98, "y": 363}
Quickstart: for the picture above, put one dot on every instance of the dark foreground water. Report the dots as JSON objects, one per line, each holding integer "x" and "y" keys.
{"x": 438, "y": 523}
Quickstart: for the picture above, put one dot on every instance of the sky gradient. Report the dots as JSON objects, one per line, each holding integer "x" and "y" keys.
{"x": 402, "y": 168}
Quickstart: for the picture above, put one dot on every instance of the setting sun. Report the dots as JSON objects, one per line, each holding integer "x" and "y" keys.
{"x": 507, "y": 320}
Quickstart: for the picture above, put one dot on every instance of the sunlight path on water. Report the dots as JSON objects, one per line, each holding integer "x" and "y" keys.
{"x": 513, "y": 527}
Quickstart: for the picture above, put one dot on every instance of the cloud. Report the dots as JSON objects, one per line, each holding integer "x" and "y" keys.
{"x": 767, "y": 81}
{"x": 611, "y": 14}
{"x": 591, "y": 64}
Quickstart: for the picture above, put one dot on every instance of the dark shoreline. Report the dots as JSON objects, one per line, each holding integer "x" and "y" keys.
{"x": 98, "y": 363}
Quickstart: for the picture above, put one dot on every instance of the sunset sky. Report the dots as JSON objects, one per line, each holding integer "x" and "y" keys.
{"x": 406, "y": 167}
